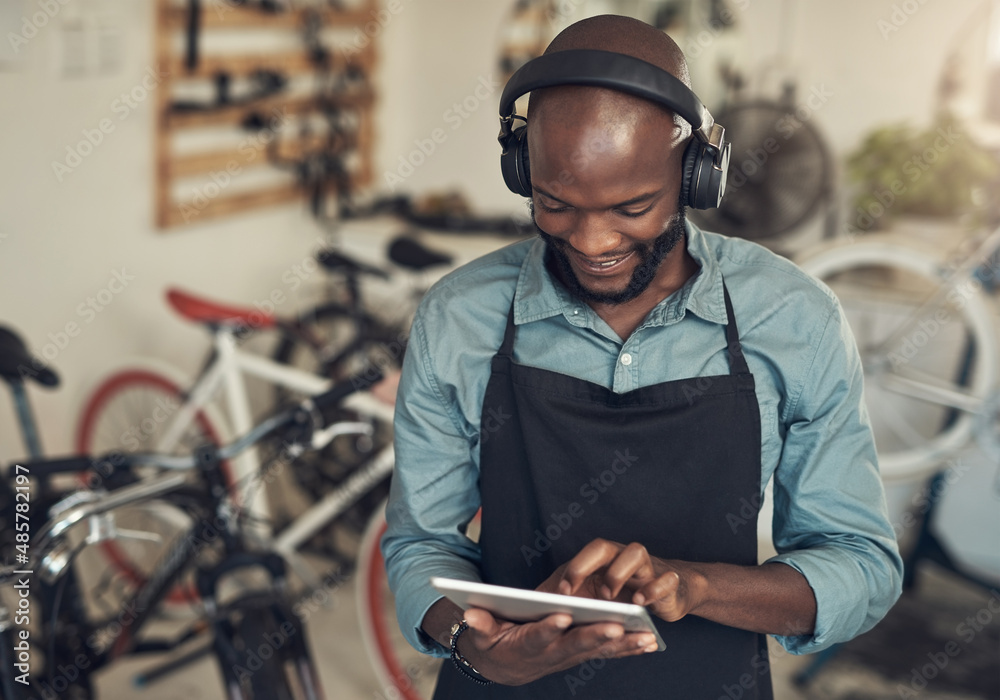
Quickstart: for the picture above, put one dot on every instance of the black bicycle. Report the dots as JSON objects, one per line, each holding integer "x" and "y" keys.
{"x": 257, "y": 640}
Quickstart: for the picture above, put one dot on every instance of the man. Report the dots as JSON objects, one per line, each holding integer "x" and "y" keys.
{"x": 615, "y": 395}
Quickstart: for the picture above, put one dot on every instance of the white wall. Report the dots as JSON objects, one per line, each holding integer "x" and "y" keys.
{"x": 61, "y": 241}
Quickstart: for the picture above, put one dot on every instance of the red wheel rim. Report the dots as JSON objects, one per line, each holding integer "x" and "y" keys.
{"x": 376, "y": 574}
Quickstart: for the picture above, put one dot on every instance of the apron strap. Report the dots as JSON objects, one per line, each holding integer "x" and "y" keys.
{"x": 507, "y": 348}
{"x": 737, "y": 362}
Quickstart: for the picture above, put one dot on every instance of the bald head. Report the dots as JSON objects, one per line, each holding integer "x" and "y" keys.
{"x": 619, "y": 111}
{"x": 596, "y": 122}
{"x": 628, "y": 36}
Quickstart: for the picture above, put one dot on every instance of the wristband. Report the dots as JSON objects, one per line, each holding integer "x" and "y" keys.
{"x": 460, "y": 661}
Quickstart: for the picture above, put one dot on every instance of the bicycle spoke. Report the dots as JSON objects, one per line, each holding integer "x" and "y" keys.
{"x": 893, "y": 420}
{"x": 919, "y": 385}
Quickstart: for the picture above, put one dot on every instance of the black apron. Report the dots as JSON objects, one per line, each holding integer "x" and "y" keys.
{"x": 564, "y": 461}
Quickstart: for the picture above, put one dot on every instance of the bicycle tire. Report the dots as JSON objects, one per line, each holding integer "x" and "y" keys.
{"x": 398, "y": 666}
{"x": 129, "y": 402}
{"x": 345, "y": 343}
{"x": 884, "y": 278}
{"x": 270, "y": 681}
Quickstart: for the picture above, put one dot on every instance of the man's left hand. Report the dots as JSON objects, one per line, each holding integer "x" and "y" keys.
{"x": 627, "y": 573}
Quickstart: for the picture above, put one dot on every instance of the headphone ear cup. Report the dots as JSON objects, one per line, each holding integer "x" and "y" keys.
{"x": 688, "y": 171}
{"x": 704, "y": 184}
{"x": 514, "y": 162}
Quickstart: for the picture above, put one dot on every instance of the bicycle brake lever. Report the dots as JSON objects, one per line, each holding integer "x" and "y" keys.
{"x": 103, "y": 527}
{"x": 74, "y": 499}
{"x": 322, "y": 438}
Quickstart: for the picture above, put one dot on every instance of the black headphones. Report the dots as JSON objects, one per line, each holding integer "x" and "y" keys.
{"x": 706, "y": 159}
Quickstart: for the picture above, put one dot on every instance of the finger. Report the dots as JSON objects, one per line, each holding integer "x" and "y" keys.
{"x": 662, "y": 589}
{"x": 592, "y": 641}
{"x": 539, "y": 635}
{"x": 594, "y": 556}
{"x": 482, "y": 621}
{"x": 632, "y": 563}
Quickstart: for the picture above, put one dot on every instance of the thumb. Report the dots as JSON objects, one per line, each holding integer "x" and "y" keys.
{"x": 481, "y": 621}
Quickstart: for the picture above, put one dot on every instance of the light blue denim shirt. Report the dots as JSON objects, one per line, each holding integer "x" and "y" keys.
{"x": 830, "y": 521}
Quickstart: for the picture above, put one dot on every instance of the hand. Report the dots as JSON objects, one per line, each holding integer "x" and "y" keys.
{"x": 514, "y": 654}
{"x": 613, "y": 571}
{"x": 385, "y": 390}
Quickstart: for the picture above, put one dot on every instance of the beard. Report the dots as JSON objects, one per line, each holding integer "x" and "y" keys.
{"x": 650, "y": 256}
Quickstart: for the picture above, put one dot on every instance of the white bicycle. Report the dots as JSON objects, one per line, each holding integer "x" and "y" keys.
{"x": 148, "y": 407}
{"x": 927, "y": 337}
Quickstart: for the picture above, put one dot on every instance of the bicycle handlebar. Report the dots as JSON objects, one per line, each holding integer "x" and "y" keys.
{"x": 80, "y": 463}
{"x": 162, "y": 484}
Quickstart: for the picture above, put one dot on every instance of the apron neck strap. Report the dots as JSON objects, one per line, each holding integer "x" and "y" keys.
{"x": 737, "y": 363}
{"x": 507, "y": 348}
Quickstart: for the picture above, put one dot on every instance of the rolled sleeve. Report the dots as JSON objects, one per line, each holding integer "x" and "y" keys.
{"x": 433, "y": 496}
{"x": 830, "y": 518}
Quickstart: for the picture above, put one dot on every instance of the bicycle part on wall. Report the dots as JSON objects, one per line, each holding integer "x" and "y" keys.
{"x": 532, "y": 24}
{"x": 256, "y": 95}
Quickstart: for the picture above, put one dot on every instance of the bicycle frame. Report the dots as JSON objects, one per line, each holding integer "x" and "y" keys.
{"x": 226, "y": 373}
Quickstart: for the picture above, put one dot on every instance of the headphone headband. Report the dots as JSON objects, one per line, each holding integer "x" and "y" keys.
{"x": 706, "y": 157}
{"x": 610, "y": 70}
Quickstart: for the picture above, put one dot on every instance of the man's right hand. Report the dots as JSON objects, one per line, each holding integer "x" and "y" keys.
{"x": 514, "y": 654}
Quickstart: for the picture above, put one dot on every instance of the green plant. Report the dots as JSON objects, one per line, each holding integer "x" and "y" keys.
{"x": 934, "y": 172}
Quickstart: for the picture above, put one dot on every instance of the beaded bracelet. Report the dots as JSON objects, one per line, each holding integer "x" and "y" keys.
{"x": 460, "y": 661}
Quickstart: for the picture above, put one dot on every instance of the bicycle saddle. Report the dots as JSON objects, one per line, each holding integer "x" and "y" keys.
{"x": 203, "y": 310}
{"x": 407, "y": 252}
{"x": 338, "y": 262}
{"x": 16, "y": 362}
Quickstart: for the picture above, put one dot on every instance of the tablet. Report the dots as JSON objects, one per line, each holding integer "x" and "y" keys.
{"x": 521, "y": 605}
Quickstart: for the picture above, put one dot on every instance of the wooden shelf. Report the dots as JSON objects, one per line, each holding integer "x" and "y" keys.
{"x": 288, "y": 63}
{"x": 277, "y": 105}
{"x": 227, "y": 17}
{"x": 171, "y": 26}
{"x": 248, "y": 155}
{"x": 184, "y": 213}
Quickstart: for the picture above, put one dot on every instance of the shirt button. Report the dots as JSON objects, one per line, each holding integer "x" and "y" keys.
{"x": 626, "y": 359}
{"x": 576, "y": 312}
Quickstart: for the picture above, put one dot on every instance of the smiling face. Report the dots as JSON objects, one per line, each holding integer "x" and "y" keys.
{"x": 605, "y": 175}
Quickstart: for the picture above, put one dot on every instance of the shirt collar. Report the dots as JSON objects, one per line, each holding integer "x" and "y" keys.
{"x": 539, "y": 296}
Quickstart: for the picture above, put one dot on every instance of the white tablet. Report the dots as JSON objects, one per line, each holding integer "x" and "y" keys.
{"x": 519, "y": 605}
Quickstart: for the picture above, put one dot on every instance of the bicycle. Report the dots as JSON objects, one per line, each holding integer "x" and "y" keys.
{"x": 928, "y": 341}
{"x": 22, "y": 512}
{"x": 237, "y": 625}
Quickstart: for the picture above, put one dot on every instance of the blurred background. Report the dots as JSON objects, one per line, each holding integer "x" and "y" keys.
{"x": 217, "y": 147}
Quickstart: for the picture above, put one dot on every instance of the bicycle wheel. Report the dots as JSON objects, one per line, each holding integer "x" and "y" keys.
{"x": 129, "y": 412}
{"x": 928, "y": 347}
{"x": 398, "y": 666}
{"x": 332, "y": 342}
{"x": 261, "y": 663}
